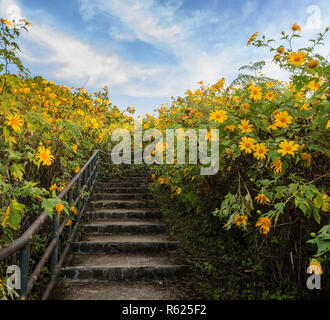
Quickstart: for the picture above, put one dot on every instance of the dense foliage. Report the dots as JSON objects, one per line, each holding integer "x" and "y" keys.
{"x": 256, "y": 226}
{"x": 252, "y": 229}
{"x": 47, "y": 132}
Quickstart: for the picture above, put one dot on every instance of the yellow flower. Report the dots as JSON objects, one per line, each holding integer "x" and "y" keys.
{"x": 8, "y": 23}
{"x": 77, "y": 169}
{"x": 245, "y": 107}
{"x": 161, "y": 180}
{"x": 245, "y": 126}
{"x": 264, "y": 224}
{"x": 314, "y": 85}
{"x": 307, "y": 159}
{"x": 305, "y": 107}
{"x": 230, "y": 128}
{"x": 261, "y": 197}
{"x": 255, "y": 93}
{"x": 6, "y": 216}
{"x": 53, "y": 187}
{"x": 153, "y": 176}
{"x": 288, "y": 147}
{"x": 69, "y": 222}
{"x": 282, "y": 119}
{"x": 315, "y": 267}
{"x": 218, "y": 116}
{"x": 277, "y": 165}
{"x": 260, "y": 151}
{"x": 297, "y": 58}
{"x": 269, "y": 96}
{"x": 178, "y": 190}
{"x": 240, "y": 220}
{"x": 328, "y": 124}
{"x": 296, "y": 27}
{"x": 312, "y": 64}
{"x": 252, "y": 38}
{"x": 272, "y": 127}
{"x": 59, "y": 207}
{"x": 27, "y": 22}
{"x": 246, "y": 144}
{"x": 44, "y": 155}
{"x": 15, "y": 121}
{"x": 74, "y": 210}
{"x": 74, "y": 148}
{"x": 280, "y": 50}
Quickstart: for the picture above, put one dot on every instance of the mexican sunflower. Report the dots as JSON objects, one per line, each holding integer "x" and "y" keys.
{"x": 218, "y": 116}
{"x": 260, "y": 151}
{"x": 261, "y": 198}
{"x": 277, "y": 165}
{"x": 264, "y": 223}
{"x": 297, "y": 58}
{"x": 246, "y": 144}
{"x": 238, "y": 220}
{"x": 44, "y": 155}
{"x": 245, "y": 126}
{"x": 15, "y": 121}
{"x": 288, "y": 147}
{"x": 252, "y": 38}
{"x": 255, "y": 93}
{"x": 282, "y": 119}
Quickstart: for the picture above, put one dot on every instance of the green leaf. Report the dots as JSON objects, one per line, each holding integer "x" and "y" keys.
{"x": 279, "y": 206}
{"x": 16, "y": 213}
{"x": 18, "y": 170}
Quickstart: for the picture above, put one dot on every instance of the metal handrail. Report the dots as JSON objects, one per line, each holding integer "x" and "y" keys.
{"x": 88, "y": 175}
{"x": 23, "y": 242}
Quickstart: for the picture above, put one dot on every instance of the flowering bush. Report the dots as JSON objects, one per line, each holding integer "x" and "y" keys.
{"x": 274, "y": 151}
{"x": 47, "y": 133}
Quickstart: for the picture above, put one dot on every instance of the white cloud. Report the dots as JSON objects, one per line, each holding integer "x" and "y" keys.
{"x": 167, "y": 28}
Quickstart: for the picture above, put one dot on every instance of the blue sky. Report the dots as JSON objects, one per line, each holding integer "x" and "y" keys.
{"x": 147, "y": 51}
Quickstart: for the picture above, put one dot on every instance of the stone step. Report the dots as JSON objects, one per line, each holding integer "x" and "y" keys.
{"x": 121, "y": 204}
{"x": 124, "y": 290}
{"x": 130, "y": 190}
{"x": 106, "y": 214}
{"x": 124, "y": 243}
{"x": 131, "y": 267}
{"x": 170, "y": 272}
{"x": 122, "y": 184}
{"x": 121, "y": 196}
{"x": 124, "y": 226}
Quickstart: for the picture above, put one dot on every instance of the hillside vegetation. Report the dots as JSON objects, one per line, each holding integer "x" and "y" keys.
{"x": 249, "y": 231}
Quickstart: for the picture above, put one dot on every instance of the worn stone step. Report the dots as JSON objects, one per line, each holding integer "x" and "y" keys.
{"x": 128, "y": 259}
{"x": 131, "y": 267}
{"x": 122, "y": 184}
{"x": 133, "y": 273}
{"x": 121, "y": 196}
{"x": 122, "y": 204}
{"x": 124, "y": 226}
{"x": 130, "y": 190}
{"x": 106, "y": 214}
{"x": 124, "y": 290}
{"x": 120, "y": 243}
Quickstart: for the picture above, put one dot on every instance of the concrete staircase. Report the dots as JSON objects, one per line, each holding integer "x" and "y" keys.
{"x": 124, "y": 252}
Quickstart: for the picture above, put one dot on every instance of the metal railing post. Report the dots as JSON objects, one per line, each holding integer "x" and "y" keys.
{"x": 24, "y": 257}
{"x": 78, "y": 195}
{"x": 69, "y": 228}
{"x": 54, "y": 257}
